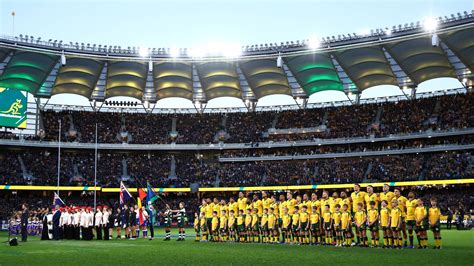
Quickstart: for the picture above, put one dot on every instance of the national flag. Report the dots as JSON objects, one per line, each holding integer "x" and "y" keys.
{"x": 150, "y": 195}
{"x": 57, "y": 201}
{"x": 124, "y": 194}
{"x": 140, "y": 210}
{"x": 141, "y": 194}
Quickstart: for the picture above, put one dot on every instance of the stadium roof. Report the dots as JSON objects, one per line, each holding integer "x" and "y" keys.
{"x": 403, "y": 56}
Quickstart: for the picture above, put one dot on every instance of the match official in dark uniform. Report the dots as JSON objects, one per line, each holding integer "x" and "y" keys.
{"x": 24, "y": 222}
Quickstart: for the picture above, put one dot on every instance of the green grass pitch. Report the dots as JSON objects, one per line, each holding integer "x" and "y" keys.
{"x": 458, "y": 249}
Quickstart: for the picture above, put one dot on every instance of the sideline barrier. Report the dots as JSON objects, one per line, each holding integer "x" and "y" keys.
{"x": 226, "y": 189}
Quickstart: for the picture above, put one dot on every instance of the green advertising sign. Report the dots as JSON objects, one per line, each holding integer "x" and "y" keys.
{"x": 13, "y": 105}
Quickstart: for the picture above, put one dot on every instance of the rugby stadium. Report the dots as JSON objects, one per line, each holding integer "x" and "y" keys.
{"x": 122, "y": 179}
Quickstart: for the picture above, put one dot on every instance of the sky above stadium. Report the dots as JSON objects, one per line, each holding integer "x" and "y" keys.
{"x": 191, "y": 23}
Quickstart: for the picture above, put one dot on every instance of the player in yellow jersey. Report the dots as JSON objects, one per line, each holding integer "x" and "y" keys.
{"x": 304, "y": 225}
{"x": 345, "y": 200}
{"x": 327, "y": 219}
{"x": 197, "y": 228}
{"x": 264, "y": 226}
{"x": 410, "y": 217}
{"x": 295, "y": 224}
{"x": 203, "y": 226}
{"x": 337, "y": 223}
{"x": 257, "y": 204}
{"x": 272, "y": 229}
{"x": 266, "y": 201}
{"x": 371, "y": 197}
{"x": 360, "y": 218}
{"x": 385, "y": 224}
{"x": 402, "y": 206}
{"x": 242, "y": 202}
{"x": 281, "y": 206}
{"x": 255, "y": 225}
{"x": 386, "y": 195}
{"x": 241, "y": 226}
{"x": 248, "y": 225}
{"x": 223, "y": 226}
{"x": 276, "y": 212}
{"x": 233, "y": 205}
{"x": 434, "y": 215}
{"x": 231, "y": 226}
{"x": 314, "y": 220}
{"x": 215, "y": 227}
{"x": 290, "y": 202}
{"x": 286, "y": 226}
{"x": 373, "y": 223}
{"x": 421, "y": 219}
{"x": 308, "y": 203}
{"x": 357, "y": 197}
{"x": 216, "y": 206}
{"x": 346, "y": 225}
{"x": 209, "y": 216}
{"x": 396, "y": 224}
{"x": 333, "y": 201}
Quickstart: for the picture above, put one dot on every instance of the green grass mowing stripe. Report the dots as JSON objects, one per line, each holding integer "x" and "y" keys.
{"x": 458, "y": 249}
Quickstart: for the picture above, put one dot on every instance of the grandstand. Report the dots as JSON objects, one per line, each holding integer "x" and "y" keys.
{"x": 418, "y": 140}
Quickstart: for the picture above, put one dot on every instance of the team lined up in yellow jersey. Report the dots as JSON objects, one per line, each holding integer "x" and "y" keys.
{"x": 338, "y": 220}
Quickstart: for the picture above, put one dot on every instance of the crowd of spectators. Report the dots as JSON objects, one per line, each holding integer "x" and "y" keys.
{"x": 402, "y": 117}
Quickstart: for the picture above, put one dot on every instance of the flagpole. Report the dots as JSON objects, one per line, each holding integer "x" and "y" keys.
{"x": 59, "y": 155}
{"x": 95, "y": 170}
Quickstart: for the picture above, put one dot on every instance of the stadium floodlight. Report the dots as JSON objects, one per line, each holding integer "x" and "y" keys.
{"x": 279, "y": 61}
{"x": 313, "y": 43}
{"x": 430, "y": 24}
{"x": 143, "y": 51}
{"x": 63, "y": 58}
{"x": 174, "y": 52}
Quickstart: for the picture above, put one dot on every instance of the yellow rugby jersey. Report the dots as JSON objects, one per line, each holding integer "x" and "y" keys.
{"x": 231, "y": 221}
{"x": 208, "y": 211}
{"x": 372, "y": 214}
{"x": 290, "y": 204}
{"x": 240, "y": 220}
{"x": 324, "y": 202}
{"x": 223, "y": 221}
{"x": 275, "y": 209}
{"x": 374, "y": 198}
{"x": 316, "y": 203}
{"x": 304, "y": 217}
{"x": 360, "y": 217}
{"x": 314, "y": 218}
{"x": 266, "y": 203}
{"x": 420, "y": 214}
{"x": 234, "y": 207}
{"x": 395, "y": 215}
{"x": 402, "y": 205}
{"x": 202, "y": 209}
{"x": 259, "y": 206}
{"x": 411, "y": 206}
{"x": 248, "y": 219}
{"x": 196, "y": 223}
{"x": 346, "y": 201}
{"x": 295, "y": 218}
{"x": 384, "y": 217}
{"x": 264, "y": 219}
{"x": 332, "y": 203}
{"x": 217, "y": 208}
{"x": 242, "y": 203}
{"x": 254, "y": 219}
{"x": 309, "y": 206}
{"x": 345, "y": 219}
{"x": 282, "y": 206}
{"x": 300, "y": 206}
{"x": 224, "y": 208}
{"x": 356, "y": 198}
{"x": 388, "y": 196}
{"x": 271, "y": 220}
{"x": 337, "y": 217}
{"x": 327, "y": 217}
{"x": 286, "y": 220}
{"x": 215, "y": 223}
{"x": 434, "y": 215}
